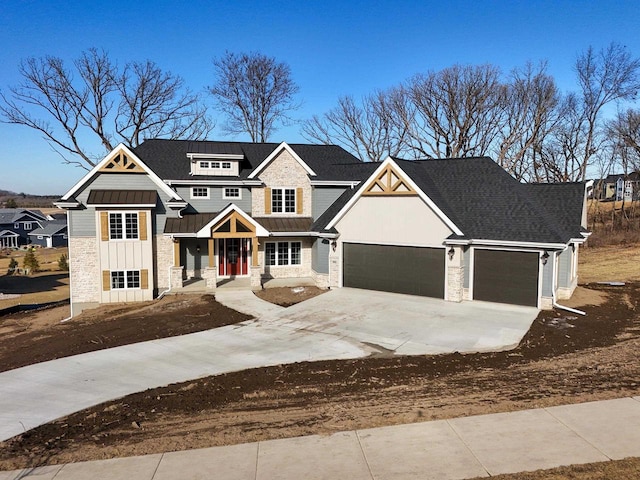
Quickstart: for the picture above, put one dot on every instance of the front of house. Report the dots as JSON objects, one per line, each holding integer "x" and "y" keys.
{"x": 147, "y": 220}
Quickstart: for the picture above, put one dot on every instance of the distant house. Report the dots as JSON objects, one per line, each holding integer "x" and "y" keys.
{"x": 618, "y": 186}
{"x": 16, "y": 224}
{"x": 21, "y": 226}
{"x": 52, "y": 234}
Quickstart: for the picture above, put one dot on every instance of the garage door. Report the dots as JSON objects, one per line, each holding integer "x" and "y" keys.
{"x": 398, "y": 269}
{"x": 506, "y": 277}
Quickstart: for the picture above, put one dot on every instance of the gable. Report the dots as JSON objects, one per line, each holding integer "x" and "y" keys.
{"x": 283, "y": 147}
{"x": 389, "y": 182}
{"x": 119, "y": 161}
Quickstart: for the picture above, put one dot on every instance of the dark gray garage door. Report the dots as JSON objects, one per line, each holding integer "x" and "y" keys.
{"x": 506, "y": 277}
{"x": 411, "y": 270}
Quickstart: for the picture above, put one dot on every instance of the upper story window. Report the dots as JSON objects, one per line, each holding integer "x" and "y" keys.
{"x": 123, "y": 226}
{"x": 199, "y": 192}
{"x": 283, "y": 200}
{"x": 231, "y": 193}
{"x": 215, "y": 164}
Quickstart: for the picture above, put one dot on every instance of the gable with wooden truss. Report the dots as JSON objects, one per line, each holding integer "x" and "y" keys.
{"x": 389, "y": 182}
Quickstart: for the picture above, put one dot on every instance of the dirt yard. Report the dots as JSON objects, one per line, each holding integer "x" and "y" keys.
{"x": 49, "y": 285}
{"x": 564, "y": 358}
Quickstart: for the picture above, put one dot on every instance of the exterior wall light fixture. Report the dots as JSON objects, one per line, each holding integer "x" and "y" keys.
{"x": 451, "y": 253}
{"x": 545, "y": 257}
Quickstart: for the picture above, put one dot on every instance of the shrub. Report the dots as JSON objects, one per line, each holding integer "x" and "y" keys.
{"x": 63, "y": 264}
{"x": 30, "y": 261}
{"x": 13, "y": 266}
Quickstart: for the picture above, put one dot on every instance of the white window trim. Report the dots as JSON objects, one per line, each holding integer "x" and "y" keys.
{"x": 227, "y": 197}
{"x": 295, "y": 200}
{"x": 288, "y": 264}
{"x": 126, "y": 283}
{"x": 124, "y": 226}
{"x": 204, "y": 164}
{"x": 199, "y": 197}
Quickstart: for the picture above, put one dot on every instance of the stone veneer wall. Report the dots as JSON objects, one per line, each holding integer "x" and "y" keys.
{"x": 287, "y": 271}
{"x": 84, "y": 270}
{"x": 334, "y": 265}
{"x": 283, "y": 171}
{"x": 163, "y": 248}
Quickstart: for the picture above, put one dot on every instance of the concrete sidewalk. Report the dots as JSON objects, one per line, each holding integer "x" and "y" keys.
{"x": 459, "y": 448}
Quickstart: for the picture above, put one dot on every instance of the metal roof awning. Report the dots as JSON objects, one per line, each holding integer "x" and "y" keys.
{"x": 129, "y": 198}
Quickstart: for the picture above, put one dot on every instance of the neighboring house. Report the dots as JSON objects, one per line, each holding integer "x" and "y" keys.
{"x": 16, "y": 224}
{"x": 618, "y": 187}
{"x": 52, "y": 234}
{"x": 143, "y": 221}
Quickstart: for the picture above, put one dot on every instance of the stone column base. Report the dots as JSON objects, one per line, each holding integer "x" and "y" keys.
{"x": 210, "y": 276}
{"x": 455, "y": 280}
{"x": 176, "y": 277}
{"x": 256, "y": 278}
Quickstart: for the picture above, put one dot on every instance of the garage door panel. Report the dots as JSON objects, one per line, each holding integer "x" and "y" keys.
{"x": 506, "y": 277}
{"x": 398, "y": 269}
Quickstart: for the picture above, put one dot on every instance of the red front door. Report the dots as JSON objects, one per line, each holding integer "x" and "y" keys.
{"x": 233, "y": 256}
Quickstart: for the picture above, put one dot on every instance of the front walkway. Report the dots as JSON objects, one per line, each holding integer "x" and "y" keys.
{"x": 458, "y": 448}
{"x": 340, "y": 324}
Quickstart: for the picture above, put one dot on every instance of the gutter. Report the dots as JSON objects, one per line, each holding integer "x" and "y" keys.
{"x": 568, "y": 309}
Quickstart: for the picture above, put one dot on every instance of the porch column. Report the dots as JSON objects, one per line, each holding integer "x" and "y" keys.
{"x": 254, "y": 252}
{"x": 455, "y": 274}
{"x": 211, "y": 254}
{"x": 256, "y": 275}
{"x": 176, "y": 252}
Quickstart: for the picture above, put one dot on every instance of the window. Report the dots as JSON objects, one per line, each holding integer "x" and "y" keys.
{"x": 283, "y": 200}
{"x": 215, "y": 164}
{"x": 40, "y": 237}
{"x": 226, "y": 165}
{"x": 199, "y": 192}
{"x": 123, "y": 279}
{"x": 282, "y": 253}
{"x": 27, "y": 226}
{"x": 123, "y": 226}
{"x": 204, "y": 164}
{"x": 231, "y": 192}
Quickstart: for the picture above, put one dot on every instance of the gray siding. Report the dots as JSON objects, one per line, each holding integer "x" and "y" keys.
{"x": 323, "y": 198}
{"x": 547, "y": 276}
{"x": 84, "y": 222}
{"x": 320, "y": 255}
{"x": 215, "y": 202}
{"x": 466, "y": 258}
{"x": 190, "y": 258}
{"x": 564, "y": 268}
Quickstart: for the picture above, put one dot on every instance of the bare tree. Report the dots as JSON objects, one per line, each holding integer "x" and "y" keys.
{"x": 609, "y": 75}
{"x": 531, "y": 112}
{"x": 369, "y": 130}
{"x": 64, "y": 105}
{"x": 255, "y": 92}
{"x": 458, "y": 111}
{"x": 624, "y": 132}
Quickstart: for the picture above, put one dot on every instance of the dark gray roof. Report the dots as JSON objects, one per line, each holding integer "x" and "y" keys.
{"x": 168, "y": 158}
{"x": 12, "y": 215}
{"x": 285, "y": 224}
{"x": 54, "y": 227}
{"x": 486, "y": 203}
{"x": 189, "y": 223}
{"x": 122, "y": 197}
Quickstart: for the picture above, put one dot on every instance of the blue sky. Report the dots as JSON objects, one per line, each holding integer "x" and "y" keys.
{"x": 334, "y": 47}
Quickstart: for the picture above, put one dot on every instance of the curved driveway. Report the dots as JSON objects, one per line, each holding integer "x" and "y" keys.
{"x": 340, "y": 324}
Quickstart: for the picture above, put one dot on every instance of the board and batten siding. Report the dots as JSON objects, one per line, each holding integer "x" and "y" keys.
{"x": 564, "y": 268}
{"x": 323, "y": 198}
{"x": 84, "y": 223}
{"x": 216, "y": 202}
{"x": 320, "y": 255}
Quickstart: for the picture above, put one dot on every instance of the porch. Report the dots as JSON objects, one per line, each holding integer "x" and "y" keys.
{"x": 198, "y": 286}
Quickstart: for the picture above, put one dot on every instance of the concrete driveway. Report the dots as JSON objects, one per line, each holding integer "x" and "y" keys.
{"x": 340, "y": 324}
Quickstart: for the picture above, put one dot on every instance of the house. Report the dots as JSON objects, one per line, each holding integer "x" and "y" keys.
{"x": 52, "y": 234}
{"x": 16, "y": 224}
{"x": 619, "y": 187}
{"x": 144, "y": 221}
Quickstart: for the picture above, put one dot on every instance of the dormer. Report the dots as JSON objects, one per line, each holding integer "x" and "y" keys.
{"x": 215, "y": 164}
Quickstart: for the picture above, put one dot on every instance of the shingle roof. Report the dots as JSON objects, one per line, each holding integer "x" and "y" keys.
{"x": 168, "y": 158}
{"x": 486, "y": 203}
{"x": 54, "y": 227}
{"x": 12, "y": 215}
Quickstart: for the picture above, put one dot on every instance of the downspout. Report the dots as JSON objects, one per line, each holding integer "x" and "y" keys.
{"x": 168, "y": 289}
{"x": 562, "y": 307}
